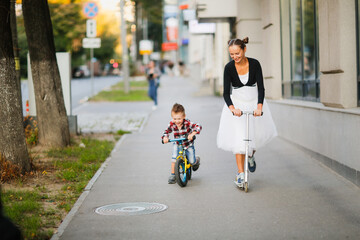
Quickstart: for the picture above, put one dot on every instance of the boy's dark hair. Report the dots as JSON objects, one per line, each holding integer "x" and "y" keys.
{"x": 178, "y": 108}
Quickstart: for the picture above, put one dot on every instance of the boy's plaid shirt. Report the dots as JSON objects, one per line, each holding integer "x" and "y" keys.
{"x": 186, "y": 129}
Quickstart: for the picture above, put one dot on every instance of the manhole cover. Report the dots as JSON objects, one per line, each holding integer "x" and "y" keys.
{"x": 129, "y": 209}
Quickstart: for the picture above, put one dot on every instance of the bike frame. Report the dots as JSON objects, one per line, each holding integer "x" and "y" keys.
{"x": 182, "y": 155}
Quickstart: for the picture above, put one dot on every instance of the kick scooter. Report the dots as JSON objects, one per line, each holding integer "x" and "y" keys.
{"x": 245, "y": 186}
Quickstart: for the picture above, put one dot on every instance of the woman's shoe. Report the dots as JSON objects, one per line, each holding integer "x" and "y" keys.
{"x": 252, "y": 164}
{"x": 240, "y": 178}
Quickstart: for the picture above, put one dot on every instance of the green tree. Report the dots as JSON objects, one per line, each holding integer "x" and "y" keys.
{"x": 153, "y": 11}
{"x": 108, "y": 44}
{"x": 69, "y": 28}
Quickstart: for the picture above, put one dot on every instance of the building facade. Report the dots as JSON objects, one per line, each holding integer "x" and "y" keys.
{"x": 309, "y": 52}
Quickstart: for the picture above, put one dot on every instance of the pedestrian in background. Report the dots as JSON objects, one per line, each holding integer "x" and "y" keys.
{"x": 153, "y": 77}
{"x": 243, "y": 91}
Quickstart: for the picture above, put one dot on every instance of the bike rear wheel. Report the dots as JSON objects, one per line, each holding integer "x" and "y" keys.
{"x": 189, "y": 173}
{"x": 180, "y": 174}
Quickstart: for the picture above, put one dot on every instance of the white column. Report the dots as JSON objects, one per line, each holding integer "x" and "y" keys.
{"x": 337, "y": 48}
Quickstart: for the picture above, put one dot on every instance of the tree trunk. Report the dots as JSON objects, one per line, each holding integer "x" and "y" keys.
{"x": 12, "y": 136}
{"x": 50, "y": 108}
{"x": 15, "y": 43}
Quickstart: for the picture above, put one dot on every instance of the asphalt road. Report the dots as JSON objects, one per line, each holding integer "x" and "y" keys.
{"x": 291, "y": 196}
{"x": 81, "y": 89}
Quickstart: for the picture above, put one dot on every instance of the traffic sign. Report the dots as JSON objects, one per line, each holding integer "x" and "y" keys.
{"x": 91, "y": 42}
{"x": 169, "y": 46}
{"x": 91, "y": 28}
{"x": 145, "y": 47}
{"x": 90, "y": 9}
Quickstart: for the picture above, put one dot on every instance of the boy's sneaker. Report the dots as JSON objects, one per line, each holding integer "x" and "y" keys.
{"x": 172, "y": 179}
{"x": 196, "y": 164}
{"x": 240, "y": 177}
{"x": 252, "y": 164}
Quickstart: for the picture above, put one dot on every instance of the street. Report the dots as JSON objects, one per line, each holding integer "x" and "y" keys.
{"x": 80, "y": 89}
{"x": 217, "y": 59}
{"x": 291, "y": 195}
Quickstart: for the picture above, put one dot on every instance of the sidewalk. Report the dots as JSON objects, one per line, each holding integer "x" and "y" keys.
{"x": 291, "y": 196}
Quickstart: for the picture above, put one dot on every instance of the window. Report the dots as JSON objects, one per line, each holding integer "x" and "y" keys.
{"x": 299, "y": 40}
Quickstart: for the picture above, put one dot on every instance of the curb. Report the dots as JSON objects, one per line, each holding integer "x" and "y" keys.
{"x": 81, "y": 199}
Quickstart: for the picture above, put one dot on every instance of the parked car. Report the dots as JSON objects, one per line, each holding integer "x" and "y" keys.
{"x": 81, "y": 72}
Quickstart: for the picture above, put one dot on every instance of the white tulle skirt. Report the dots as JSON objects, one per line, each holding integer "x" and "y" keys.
{"x": 232, "y": 129}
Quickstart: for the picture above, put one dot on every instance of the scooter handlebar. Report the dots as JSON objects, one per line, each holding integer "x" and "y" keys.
{"x": 249, "y": 112}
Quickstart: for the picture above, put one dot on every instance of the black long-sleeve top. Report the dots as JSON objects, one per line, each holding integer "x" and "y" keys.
{"x": 231, "y": 78}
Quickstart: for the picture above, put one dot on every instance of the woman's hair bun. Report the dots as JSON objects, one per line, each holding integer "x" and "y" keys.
{"x": 246, "y": 40}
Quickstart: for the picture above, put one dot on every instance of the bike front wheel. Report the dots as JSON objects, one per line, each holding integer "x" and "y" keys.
{"x": 181, "y": 174}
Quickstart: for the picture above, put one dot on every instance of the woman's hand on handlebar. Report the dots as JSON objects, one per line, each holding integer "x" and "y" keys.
{"x": 236, "y": 112}
{"x": 257, "y": 112}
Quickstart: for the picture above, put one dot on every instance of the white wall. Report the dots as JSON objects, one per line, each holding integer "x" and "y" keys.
{"x": 216, "y": 8}
{"x": 337, "y": 48}
{"x": 249, "y": 24}
{"x": 201, "y": 54}
{"x": 222, "y": 36}
{"x": 271, "y": 64}
{"x": 330, "y": 132}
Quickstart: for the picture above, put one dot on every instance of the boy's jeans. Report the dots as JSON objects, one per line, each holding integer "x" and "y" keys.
{"x": 190, "y": 153}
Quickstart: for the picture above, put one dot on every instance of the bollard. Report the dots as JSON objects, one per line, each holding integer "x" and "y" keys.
{"x": 27, "y": 108}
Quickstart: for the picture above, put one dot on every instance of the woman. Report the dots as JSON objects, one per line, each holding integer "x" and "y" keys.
{"x": 153, "y": 76}
{"x": 243, "y": 91}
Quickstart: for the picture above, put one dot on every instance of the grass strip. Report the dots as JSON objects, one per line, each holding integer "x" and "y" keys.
{"x": 38, "y": 210}
{"x": 138, "y": 92}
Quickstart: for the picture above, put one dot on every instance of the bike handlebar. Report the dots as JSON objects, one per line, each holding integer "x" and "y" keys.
{"x": 177, "y": 139}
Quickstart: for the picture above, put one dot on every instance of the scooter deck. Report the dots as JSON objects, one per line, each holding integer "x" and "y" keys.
{"x": 239, "y": 185}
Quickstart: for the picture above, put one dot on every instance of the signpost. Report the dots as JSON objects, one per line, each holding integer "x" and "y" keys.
{"x": 90, "y": 10}
{"x": 91, "y": 28}
{"x": 91, "y": 42}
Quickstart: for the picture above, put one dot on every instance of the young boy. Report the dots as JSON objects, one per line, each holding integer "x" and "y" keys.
{"x": 181, "y": 128}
